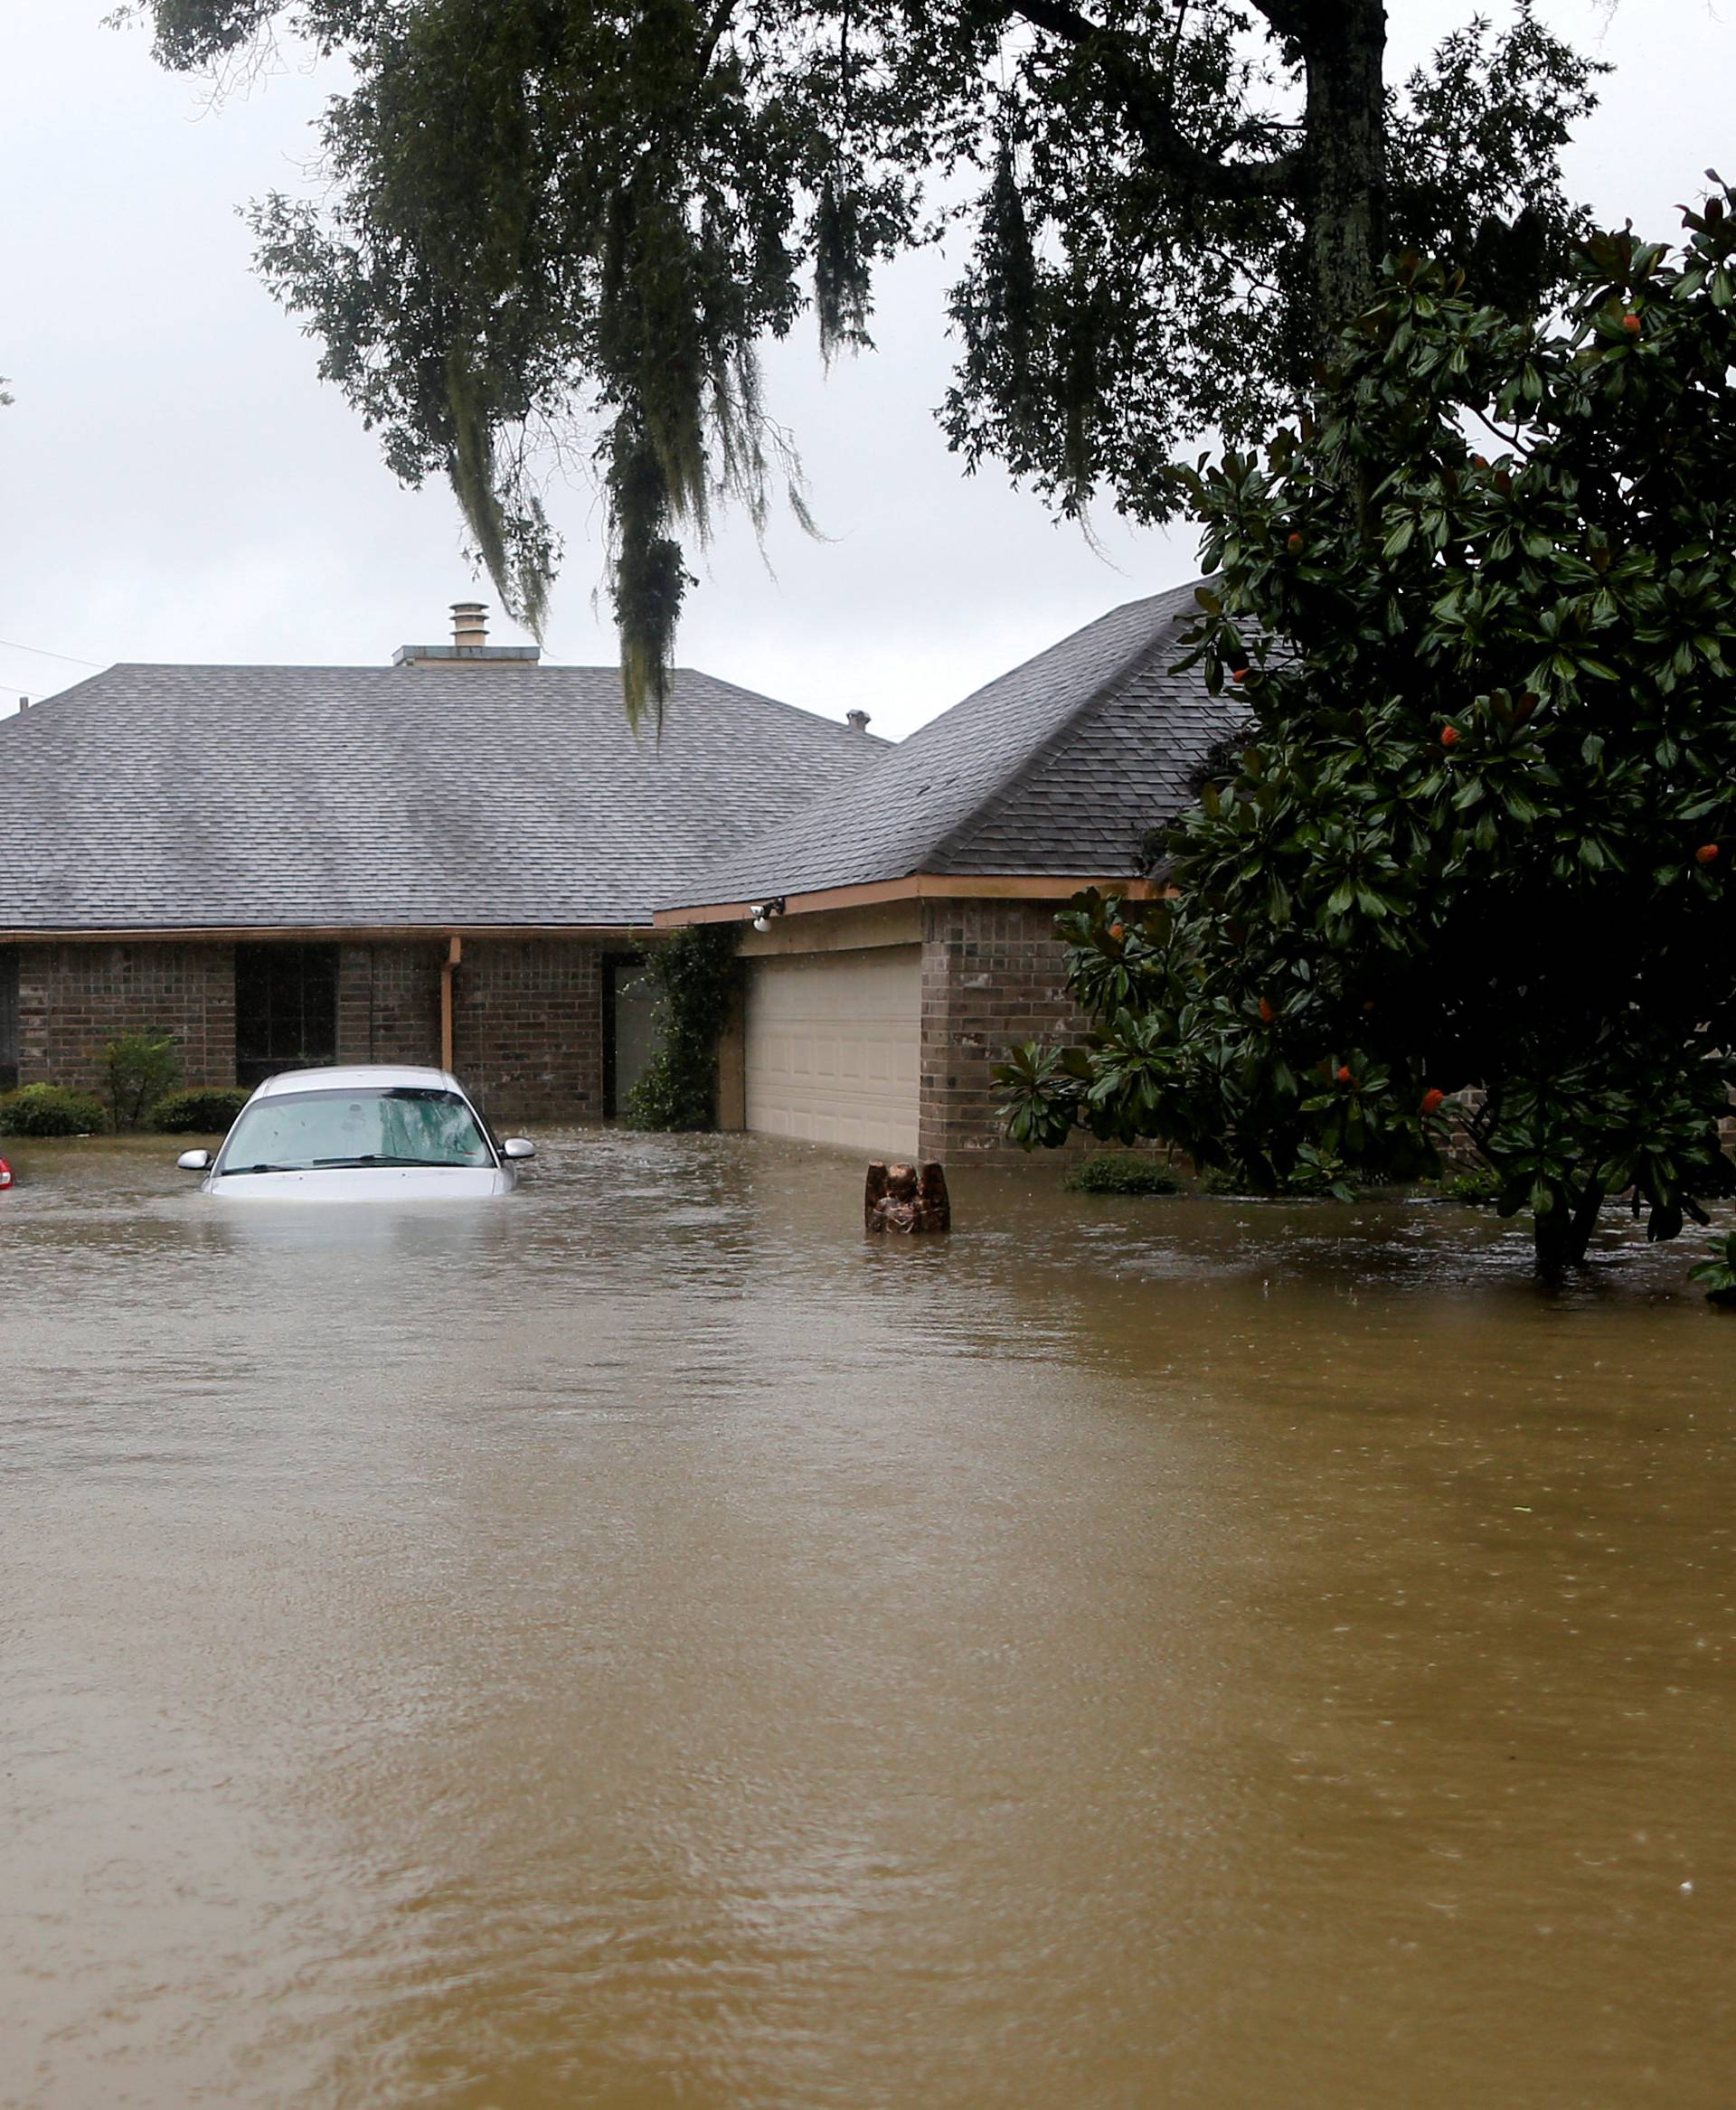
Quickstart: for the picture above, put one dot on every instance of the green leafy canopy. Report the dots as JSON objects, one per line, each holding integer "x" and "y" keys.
{"x": 1480, "y": 613}
{"x": 560, "y": 225}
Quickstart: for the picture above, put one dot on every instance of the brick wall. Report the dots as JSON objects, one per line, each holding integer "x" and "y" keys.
{"x": 528, "y": 1015}
{"x": 74, "y": 999}
{"x": 389, "y": 1002}
{"x": 528, "y": 1027}
{"x": 994, "y": 973}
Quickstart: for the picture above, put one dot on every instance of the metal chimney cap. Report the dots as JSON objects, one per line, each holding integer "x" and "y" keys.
{"x": 857, "y": 720}
{"x": 469, "y": 623}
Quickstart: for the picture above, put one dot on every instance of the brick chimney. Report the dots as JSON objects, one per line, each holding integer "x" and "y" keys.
{"x": 857, "y": 720}
{"x": 469, "y": 645}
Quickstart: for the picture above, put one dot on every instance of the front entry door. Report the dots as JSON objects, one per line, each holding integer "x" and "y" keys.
{"x": 633, "y": 1036}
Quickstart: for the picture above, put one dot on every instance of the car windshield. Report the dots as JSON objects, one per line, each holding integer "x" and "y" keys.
{"x": 318, "y": 1131}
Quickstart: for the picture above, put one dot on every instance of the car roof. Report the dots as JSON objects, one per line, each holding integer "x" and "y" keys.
{"x": 358, "y": 1076}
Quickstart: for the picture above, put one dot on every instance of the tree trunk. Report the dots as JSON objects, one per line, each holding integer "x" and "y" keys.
{"x": 1563, "y": 1236}
{"x": 1345, "y": 185}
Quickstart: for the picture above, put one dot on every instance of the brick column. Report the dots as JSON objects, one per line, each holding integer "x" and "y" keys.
{"x": 994, "y": 973}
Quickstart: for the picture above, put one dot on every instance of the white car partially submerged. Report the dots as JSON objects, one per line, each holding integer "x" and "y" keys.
{"x": 371, "y": 1133}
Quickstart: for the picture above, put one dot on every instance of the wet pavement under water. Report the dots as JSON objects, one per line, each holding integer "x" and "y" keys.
{"x": 640, "y": 1644}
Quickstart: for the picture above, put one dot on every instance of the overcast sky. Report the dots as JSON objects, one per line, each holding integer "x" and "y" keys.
{"x": 178, "y": 486}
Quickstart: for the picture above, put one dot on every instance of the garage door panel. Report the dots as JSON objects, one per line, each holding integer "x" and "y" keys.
{"x": 833, "y": 1041}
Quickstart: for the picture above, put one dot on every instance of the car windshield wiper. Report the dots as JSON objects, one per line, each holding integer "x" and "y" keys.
{"x": 234, "y": 1172}
{"x": 344, "y": 1163}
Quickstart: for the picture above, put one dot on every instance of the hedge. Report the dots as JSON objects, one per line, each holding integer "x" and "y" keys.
{"x": 51, "y": 1109}
{"x": 1120, "y": 1172}
{"x": 201, "y": 1110}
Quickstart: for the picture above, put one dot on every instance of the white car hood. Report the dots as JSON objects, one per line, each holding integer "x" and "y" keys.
{"x": 365, "y": 1183}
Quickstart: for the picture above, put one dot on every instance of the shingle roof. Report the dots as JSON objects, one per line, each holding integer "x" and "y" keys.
{"x": 1058, "y": 767}
{"x": 188, "y": 798}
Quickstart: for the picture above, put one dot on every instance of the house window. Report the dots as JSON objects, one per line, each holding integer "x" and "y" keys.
{"x": 8, "y": 1020}
{"x": 286, "y": 1009}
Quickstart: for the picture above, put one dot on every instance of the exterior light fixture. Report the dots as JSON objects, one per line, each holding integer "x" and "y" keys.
{"x": 763, "y": 911}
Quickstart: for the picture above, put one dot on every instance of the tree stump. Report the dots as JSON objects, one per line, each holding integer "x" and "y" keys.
{"x": 898, "y": 1198}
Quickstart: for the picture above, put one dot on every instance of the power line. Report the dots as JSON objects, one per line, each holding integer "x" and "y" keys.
{"x": 36, "y": 652}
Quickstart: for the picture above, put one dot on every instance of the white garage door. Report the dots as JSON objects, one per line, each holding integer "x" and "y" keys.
{"x": 832, "y": 1047}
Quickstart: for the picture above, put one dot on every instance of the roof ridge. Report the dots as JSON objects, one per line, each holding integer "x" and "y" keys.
{"x": 518, "y": 674}
{"x": 957, "y": 842}
{"x": 782, "y": 704}
{"x": 57, "y": 696}
{"x": 920, "y": 798}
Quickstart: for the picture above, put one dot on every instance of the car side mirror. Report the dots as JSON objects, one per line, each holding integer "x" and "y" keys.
{"x": 195, "y": 1160}
{"x": 516, "y": 1146}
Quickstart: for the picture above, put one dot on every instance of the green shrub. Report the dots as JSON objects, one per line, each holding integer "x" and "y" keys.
{"x": 201, "y": 1110}
{"x": 1315, "y": 1175}
{"x": 139, "y": 1068}
{"x": 1479, "y": 1187}
{"x": 697, "y": 976}
{"x": 1121, "y": 1172}
{"x": 50, "y": 1109}
{"x": 1219, "y": 1180}
{"x": 1718, "y": 1274}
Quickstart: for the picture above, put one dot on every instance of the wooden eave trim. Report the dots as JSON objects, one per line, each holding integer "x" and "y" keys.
{"x": 922, "y": 886}
{"x": 320, "y": 933}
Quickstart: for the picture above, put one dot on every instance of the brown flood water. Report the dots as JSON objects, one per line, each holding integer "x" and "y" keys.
{"x": 640, "y": 1644}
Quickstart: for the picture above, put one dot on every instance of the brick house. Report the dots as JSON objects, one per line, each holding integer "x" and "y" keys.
{"x": 458, "y": 858}
{"x": 913, "y": 934}
{"x": 452, "y": 858}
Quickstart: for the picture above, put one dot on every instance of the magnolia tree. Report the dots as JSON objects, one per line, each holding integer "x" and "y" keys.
{"x": 1475, "y": 838}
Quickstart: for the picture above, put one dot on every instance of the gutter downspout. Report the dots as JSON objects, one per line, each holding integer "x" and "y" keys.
{"x": 454, "y": 956}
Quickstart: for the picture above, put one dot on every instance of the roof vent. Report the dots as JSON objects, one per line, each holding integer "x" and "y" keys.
{"x": 857, "y": 720}
{"x": 469, "y": 645}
